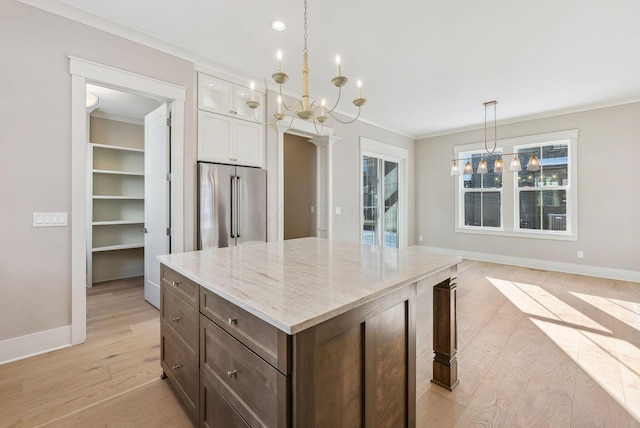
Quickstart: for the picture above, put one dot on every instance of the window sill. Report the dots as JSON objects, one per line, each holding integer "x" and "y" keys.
{"x": 513, "y": 234}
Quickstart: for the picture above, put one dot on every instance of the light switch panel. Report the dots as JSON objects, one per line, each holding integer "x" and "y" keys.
{"x": 49, "y": 219}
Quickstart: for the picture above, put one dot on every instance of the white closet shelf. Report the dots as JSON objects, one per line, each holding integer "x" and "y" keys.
{"x": 117, "y": 247}
{"x": 109, "y": 146}
{"x": 115, "y": 172}
{"x": 115, "y": 222}
{"x": 118, "y": 197}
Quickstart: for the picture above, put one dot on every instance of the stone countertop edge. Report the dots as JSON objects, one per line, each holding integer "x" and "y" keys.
{"x": 315, "y": 319}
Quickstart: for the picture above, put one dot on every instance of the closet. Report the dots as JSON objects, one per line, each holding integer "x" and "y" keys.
{"x": 115, "y": 235}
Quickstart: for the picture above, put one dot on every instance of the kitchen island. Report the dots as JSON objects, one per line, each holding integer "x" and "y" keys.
{"x": 303, "y": 333}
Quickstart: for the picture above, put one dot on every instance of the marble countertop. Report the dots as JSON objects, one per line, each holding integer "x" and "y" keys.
{"x": 296, "y": 284}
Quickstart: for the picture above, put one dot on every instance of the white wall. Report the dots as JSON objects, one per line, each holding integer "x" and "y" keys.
{"x": 35, "y": 154}
{"x": 608, "y": 196}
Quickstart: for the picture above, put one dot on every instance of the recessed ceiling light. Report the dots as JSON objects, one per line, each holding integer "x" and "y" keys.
{"x": 278, "y": 25}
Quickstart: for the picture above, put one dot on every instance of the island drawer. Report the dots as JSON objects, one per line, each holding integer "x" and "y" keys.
{"x": 261, "y": 337}
{"x": 181, "y": 320}
{"x": 215, "y": 411}
{"x": 181, "y": 285}
{"x": 257, "y": 391}
{"x": 182, "y": 372}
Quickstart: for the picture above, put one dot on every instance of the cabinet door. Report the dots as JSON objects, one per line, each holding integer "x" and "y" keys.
{"x": 215, "y": 95}
{"x": 214, "y": 137}
{"x": 248, "y": 143}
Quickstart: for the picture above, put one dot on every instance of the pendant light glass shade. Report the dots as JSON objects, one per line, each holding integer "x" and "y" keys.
{"x": 454, "y": 168}
{"x": 515, "y": 165}
{"x": 468, "y": 169}
{"x": 498, "y": 166}
{"x": 482, "y": 167}
{"x": 533, "y": 164}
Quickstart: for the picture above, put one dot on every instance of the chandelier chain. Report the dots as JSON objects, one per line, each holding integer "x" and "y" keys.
{"x": 305, "y": 27}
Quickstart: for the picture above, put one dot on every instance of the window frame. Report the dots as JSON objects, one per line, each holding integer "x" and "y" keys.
{"x": 510, "y": 208}
{"x": 463, "y": 191}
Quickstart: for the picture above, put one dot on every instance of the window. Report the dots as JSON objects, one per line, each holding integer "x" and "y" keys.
{"x": 537, "y": 204}
{"x": 541, "y": 196}
{"x": 481, "y": 193}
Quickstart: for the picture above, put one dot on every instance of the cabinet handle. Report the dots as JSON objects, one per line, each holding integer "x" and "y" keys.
{"x": 175, "y": 283}
{"x": 176, "y": 319}
{"x": 176, "y": 367}
{"x": 232, "y": 320}
{"x": 232, "y": 373}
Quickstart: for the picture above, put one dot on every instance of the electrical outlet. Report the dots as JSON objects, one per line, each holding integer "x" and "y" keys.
{"x": 338, "y": 210}
{"x": 420, "y": 238}
{"x": 581, "y": 254}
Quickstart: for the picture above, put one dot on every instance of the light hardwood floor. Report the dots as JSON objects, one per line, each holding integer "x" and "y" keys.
{"x": 536, "y": 349}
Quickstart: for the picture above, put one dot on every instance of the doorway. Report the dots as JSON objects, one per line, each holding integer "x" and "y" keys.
{"x": 128, "y": 205}
{"x": 299, "y": 187}
{"x": 83, "y": 72}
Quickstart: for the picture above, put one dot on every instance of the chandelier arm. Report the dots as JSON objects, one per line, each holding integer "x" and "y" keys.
{"x": 253, "y": 111}
{"x": 337, "y": 101}
{"x": 347, "y": 122}
{"x": 315, "y": 125}
{"x": 292, "y": 107}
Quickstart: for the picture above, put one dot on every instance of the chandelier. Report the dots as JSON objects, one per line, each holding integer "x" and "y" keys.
{"x": 304, "y": 108}
{"x": 498, "y": 166}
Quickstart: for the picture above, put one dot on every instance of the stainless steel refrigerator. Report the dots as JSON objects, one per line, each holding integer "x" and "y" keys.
{"x": 232, "y": 205}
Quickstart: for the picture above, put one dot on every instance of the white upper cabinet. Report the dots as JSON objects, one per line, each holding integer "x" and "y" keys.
{"x": 222, "y": 97}
{"x": 227, "y": 130}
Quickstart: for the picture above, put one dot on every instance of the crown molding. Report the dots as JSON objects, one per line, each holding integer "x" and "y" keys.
{"x": 530, "y": 117}
{"x": 64, "y": 10}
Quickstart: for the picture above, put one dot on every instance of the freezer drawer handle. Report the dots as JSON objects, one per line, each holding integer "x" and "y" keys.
{"x": 240, "y": 213}
{"x": 233, "y": 213}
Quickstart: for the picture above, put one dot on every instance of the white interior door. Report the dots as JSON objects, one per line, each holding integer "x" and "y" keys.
{"x": 156, "y": 199}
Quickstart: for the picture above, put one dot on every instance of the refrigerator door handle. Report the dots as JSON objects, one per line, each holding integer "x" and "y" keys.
{"x": 239, "y": 207}
{"x": 232, "y": 208}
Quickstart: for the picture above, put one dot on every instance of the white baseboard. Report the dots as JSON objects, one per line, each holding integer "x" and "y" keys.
{"x": 30, "y": 345}
{"x": 597, "y": 271}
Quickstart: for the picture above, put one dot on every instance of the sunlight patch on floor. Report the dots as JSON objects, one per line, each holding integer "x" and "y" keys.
{"x": 612, "y": 362}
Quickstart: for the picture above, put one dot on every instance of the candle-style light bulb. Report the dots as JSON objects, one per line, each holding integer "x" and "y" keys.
{"x": 253, "y": 88}
{"x": 279, "y": 55}
{"x": 279, "y": 104}
{"x": 322, "y": 104}
{"x": 359, "y": 83}
{"x": 338, "y": 62}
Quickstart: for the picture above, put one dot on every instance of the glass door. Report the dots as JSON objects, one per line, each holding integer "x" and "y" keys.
{"x": 380, "y": 202}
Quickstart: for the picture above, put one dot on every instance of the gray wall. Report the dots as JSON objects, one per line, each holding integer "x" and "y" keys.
{"x": 35, "y": 154}
{"x": 608, "y": 196}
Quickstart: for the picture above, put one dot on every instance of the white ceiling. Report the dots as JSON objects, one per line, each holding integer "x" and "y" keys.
{"x": 427, "y": 66}
{"x": 114, "y": 103}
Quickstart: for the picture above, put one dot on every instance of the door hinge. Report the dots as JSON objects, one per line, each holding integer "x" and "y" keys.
{"x": 168, "y": 176}
{"x": 169, "y": 120}
{"x": 168, "y": 231}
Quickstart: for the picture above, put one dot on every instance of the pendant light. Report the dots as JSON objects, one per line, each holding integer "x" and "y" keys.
{"x": 498, "y": 166}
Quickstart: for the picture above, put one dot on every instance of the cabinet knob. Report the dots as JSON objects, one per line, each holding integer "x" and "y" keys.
{"x": 175, "y": 283}
{"x": 176, "y": 319}
{"x": 176, "y": 367}
{"x": 232, "y": 320}
{"x": 232, "y": 373}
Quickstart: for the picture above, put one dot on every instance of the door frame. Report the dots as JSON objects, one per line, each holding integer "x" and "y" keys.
{"x": 385, "y": 151}
{"x": 83, "y": 72}
{"x": 324, "y": 175}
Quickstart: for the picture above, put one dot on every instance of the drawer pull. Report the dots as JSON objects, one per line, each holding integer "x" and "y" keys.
{"x": 175, "y": 283}
{"x": 176, "y": 319}
{"x": 176, "y": 367}
{"x": 232, "y": 373}
{"x": 232, "y": 320}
